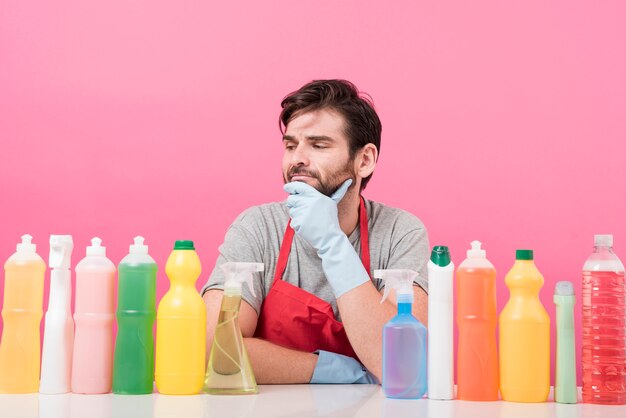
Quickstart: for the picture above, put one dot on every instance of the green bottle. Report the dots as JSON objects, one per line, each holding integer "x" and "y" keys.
{"x": 133, "y": 362}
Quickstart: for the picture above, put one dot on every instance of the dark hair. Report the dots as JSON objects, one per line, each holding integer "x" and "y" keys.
{"x": 362, "y": 125}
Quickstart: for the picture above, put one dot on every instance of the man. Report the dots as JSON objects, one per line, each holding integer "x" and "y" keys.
{"x": 317, "y": 310}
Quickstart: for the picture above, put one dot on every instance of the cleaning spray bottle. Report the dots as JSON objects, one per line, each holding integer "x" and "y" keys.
{"x": 441, "y": 326}
{"x": 404, "y": 340}
{"x": 21, "y": 314}
{"x": 58, "y": 341}
{"x": 565, "y": 382}
{"x": 229, "y": 370}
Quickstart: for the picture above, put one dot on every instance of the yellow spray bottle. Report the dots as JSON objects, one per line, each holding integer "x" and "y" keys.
{"x": 229, "y": 370}
{"x": 181, "y": 326}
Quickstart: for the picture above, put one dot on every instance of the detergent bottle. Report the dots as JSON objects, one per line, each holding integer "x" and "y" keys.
{"x": 477, "y": 318}
{"x": 565, "y": 382}
{"x": 524, "y": 335}
{"x": 229, "y": 370}
{"x": 92, "y": 361}
{"x": 604, "y": 325}
{"x": 22, "y": 310}
{"x": 441, "y": 325}
{"x": 58, "y": 338}
{"x": 404, "y": 340}
{"x": 133, "y": 361}
{"x": 181, "y": 326}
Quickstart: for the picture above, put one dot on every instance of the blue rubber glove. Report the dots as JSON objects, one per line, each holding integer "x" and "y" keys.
{"x": 337, "y": 368}
{"x": 314, "y": 218}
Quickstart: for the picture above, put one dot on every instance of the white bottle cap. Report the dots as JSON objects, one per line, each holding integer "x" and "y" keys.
{"x": 138, "y": 247}
{"x": 60, "y": 251}
{"x": 603, "y": 240}
{"x": 476, "y": 251}
{"x": 95, "y": 248}
{"x": 26, "y": 246}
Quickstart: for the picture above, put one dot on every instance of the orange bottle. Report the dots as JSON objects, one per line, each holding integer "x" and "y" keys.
{"x": 477, "y": 317}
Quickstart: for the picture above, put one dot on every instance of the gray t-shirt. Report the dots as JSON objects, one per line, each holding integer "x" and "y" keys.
{"x": 397, "y": 240}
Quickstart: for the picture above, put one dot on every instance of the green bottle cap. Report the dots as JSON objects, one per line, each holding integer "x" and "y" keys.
{"x": 523, "y": 254}
{"x": 184, "y": 245}
{"x": 440, "y": 255}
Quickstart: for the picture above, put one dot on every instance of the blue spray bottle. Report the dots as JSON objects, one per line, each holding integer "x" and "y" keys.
{"x": 404, "y": 340}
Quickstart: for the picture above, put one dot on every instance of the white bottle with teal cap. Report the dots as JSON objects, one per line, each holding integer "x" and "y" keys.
{"x": 404, "y": 340}
{"x": 441, "y": 325}
{"x": 565, "y": 382}
{"x": 58, "y": 342}
{"x": 229, "y": 370}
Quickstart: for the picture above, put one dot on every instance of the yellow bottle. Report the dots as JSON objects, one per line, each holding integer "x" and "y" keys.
{"x": 524, "y": 335}
{"x": 181, "y": 326}
{"x": 22, "y": 311}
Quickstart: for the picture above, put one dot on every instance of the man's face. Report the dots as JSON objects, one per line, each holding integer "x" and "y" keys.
{"x": 317, "y": 151}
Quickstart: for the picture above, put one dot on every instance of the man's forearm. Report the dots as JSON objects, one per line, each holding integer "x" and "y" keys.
{"x": 273, "y": 364}
{"x": 363, "y": 318}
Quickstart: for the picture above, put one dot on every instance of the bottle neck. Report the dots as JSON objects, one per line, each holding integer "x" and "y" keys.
{"x": 404, "y": 308}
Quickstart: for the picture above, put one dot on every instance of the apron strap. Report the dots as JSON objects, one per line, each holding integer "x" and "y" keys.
{"x": 283, "y": 256}
{"x": 285, "y": 247}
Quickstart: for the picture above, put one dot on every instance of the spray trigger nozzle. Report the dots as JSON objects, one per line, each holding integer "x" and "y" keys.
{"x": 61, "y": 247}
{"x": 399, "y": 279}
{"x": 239, "y": 273}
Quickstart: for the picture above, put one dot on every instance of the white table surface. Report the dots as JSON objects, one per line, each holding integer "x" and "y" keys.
{"x": 285, "y": 401}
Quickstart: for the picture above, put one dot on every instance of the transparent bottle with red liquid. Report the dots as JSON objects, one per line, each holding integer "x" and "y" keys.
{"x": 604, "y": 325}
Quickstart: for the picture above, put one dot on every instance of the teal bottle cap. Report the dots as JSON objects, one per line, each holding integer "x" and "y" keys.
{"x": 184, "y": 245}
{"x": 440, "y": 255}
{"x": 523, "y": 254}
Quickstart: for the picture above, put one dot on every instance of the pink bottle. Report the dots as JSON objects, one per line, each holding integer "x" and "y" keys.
{"x": 92, "y": 365}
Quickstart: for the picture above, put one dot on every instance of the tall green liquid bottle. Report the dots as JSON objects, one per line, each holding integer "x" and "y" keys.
{"x": 133, "y": 362}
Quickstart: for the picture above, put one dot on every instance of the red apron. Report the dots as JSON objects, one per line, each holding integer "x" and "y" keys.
{"x": 294, "y": 318}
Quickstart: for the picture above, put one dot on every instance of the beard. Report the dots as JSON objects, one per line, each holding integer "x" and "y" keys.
{"x": 329, "y": 185}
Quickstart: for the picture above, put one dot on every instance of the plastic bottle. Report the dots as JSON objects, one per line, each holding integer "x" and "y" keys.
{"x": 565, "y": 382}
{"x": 604, "y": 325}
{"x": 181, "y": 326}
{"x": 477, "y": 318}
{"x": 133, "y": 361}
{"x": 21, "y": 313}
{"x": 58, "y": 339}
{"x": 229, "y": 370}
{"x": 524, "y": 335}
{"x": 92, "y": 361}
{"x": 404, "y": 340}
{"x": 441, "y": 325}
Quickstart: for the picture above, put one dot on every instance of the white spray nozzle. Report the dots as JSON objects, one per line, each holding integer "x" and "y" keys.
{"x": 138, "y": 247}
{"x": 96, "y": 248}
{"x": 476, "y": 251}
{"x": 239, "y": 273}
{"x": 61, "y": 247}
{"x": 26, "y": 245}
{"x": 401, "y": 280}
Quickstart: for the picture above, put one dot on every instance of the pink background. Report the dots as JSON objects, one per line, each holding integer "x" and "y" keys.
{"x": 503, "y": 121}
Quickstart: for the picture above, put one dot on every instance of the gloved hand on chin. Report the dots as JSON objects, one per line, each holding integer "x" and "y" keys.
{"x": 314, "y": 217}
